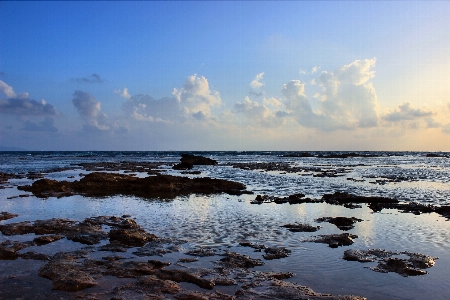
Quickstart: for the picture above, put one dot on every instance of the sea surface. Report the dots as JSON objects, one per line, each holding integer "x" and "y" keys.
{"x": 223, "y": 221}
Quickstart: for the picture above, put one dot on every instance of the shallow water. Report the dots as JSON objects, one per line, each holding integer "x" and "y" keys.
{"x": 222, "y": 221}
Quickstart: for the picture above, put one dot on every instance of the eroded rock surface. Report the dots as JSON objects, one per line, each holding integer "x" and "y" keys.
{"x": 188, "y": 161}
{"x": 299, "y": 227}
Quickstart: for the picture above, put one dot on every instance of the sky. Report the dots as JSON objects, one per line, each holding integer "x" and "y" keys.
{"x": 219, "y": 75}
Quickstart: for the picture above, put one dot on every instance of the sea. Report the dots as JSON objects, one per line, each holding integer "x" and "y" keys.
{"x": 223, "y": 221}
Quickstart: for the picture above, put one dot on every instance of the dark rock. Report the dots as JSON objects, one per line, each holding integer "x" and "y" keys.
{"x": 6, "y": 215}
{"x": 66, "y": 276}
{"x": 35, "y": 256}
{"x": 398, "y": 266}
{"x": 106, "y": 184}
{"x": 301, "y": 227}
{"x": 335, "y": 240}
{"x": 131, "y": 237}
{"x": 183, "y": 276}
{"x": 276, "y": 253}
{"x": 343, "y": 223}
{"x": 342, "y": 198}
{"x": 201, "y": 252}
{"x": 43, "y": 240}
{"x": 257, "y": 247}
{"x": 235, "y": 260}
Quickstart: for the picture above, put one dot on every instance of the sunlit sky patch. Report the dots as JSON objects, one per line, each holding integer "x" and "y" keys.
{"x": 225, "y": 75}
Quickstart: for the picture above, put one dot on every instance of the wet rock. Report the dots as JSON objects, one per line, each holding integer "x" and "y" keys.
{"x": 277, "y": 289}
{"x": 281, "y": 275}
{"x": 35, "y": 256}
{"x": 257, "y": 247}
{"x": 343, "y": 223}
{"x": 6, "y": 215}
{"x": 147, "y": 287}
{"x": 9, "y": 249}
{"x": 276, "y": 253}
{"x": 114, "y": 247}
{"x": 419, "y": 260}
{"x": 292, "y": 199}
{"x": 187, "y": 260}
{"x": 184, "y": 276}
{"x": 131, "y": 237}
{"x": 398, "y": 266}
{"x": 17, "y": 228}
{"x": 106, "y": 184}
{"x": 358, "y": 255}
{"x": 335, "y": 240}
{"x": 340, "y": 198}
{"x": 66, "y": 275}
{"x": 299, "y": 227}
{"x": 236, "y": 260}
{"x": 188, "y": 161}
{"x": 201, "y": 252}
{"x": 43, "y": 240}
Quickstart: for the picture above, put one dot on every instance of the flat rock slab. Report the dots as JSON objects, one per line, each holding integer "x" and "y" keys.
{"x": 335, "y": 240}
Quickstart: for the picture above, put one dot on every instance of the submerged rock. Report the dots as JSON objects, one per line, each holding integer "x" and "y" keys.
{"x": 276, "y": 253}
{"x": 343, "y": 223}
{"x": 236, "y": 260}
{"x": 301, "y": 227}
{"x": 335, "y": 240}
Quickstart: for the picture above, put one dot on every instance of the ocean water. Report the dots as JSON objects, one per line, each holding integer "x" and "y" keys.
{"x": 222, "y": 221}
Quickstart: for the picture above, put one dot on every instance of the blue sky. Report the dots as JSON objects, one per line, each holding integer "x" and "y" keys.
{"x": 217, "y": 75}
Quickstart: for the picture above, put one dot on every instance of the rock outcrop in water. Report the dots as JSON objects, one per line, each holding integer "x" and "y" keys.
{"x": 188, "y": 161}
{"x": 107, "y": 184}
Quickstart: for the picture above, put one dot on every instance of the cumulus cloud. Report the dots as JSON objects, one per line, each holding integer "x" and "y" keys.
{"x": 94, "y": 78}
{"x": 45, "y": 125}
{"x": 90, "y": 110}
{"x": 259, "y": 113}
{"x": 195, "y": 96}
{"x": 21, "y": 105}
{"x": 348, "y": 99}
{"x": 193, "y": 101}
{"x": 406, "y": 112}
{"x": 123, "y": 93}
{"x": 256, "y": 85}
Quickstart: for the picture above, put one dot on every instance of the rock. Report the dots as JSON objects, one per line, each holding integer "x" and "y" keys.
{"x": 419, "y": 260}
{"x": 301, "y": 227}
{"x": 188, "y": 161}
{"x": 6, "y": 215}
{"x": 34, "y": 255}
{"x": 43, "y": 240}
{"x": 276, "y": 253}
{"x": 342, "y": 198}
{"x": 358, "y": 255}
{"x": 343, "y": 223}
{"x": 335, "y": 240}
{"x": 9, "y": 249}
{"x": 235, "y": 260}
{"x": 66, "y": 276}
{"x": 201, "y": 252}
{"x": 131, "y": 237}
{"x": 183, "y": 276}
{"x": 398, "y": 266}
{"x": 257, "y": 247}
{"x": 107, "y": 184}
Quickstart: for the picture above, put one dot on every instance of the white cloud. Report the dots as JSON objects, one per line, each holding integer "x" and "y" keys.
{"x": 21, "y": 105}
{"x": 123, "y": 93}
{"x": 258, "y": 113}
{"x": 256, "y": 82}
{"x": 195, "y": 96}
{"x": 7, "y": 90}
{"x": 90, "y": 110}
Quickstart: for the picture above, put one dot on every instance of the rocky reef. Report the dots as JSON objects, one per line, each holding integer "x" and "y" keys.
{"x": 107, "y": 184}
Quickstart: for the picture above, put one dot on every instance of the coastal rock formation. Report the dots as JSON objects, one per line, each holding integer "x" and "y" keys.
{"x": 107, "y": 184}
{"x": 335, "y": 240}
{"x": 343, "y": 223}
{"x": 301, "y": 227}
{"x": 388, "y": 263}
{"x": 188, "y": 161}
